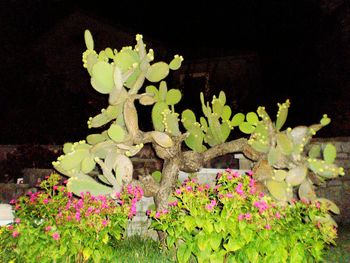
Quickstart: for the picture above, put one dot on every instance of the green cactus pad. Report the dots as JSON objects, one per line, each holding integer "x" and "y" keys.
{"x": 157, "y": 175}
{"x": 325, "y": 120}
{"x": 329, "y": 153}
{"x": 98, "y": 121}
{"x": 162, "y": 139}
{"x": 222, "y": 97}
{"x": 282, "y": 114}
{"x": 109, "y": 52}
{"x": 204, "y": 124}
{"x": 171, "y": 122}
{"x": 126, "y": 59}
{"x": 88, "y": 164}
{"x": 89, "y": 59}
{"x": 188, "y": 118}
{"x": 306, "y": 190}
{"x": 252, "y": 118}
{"x": 157, "y": 117}
{"x": 237, "y": 119}
{"x": 217, "y": 106}
{"x": 153, "y": 90}
{"x": 315, "y": 151}
{"x": 226, "y": 113}
{"x": 95, "y": 138}
{"x": 102, "y": 77}
{"x": 280, "y": 175}
{"x": 296, "y": 175}
{"x": 175, "y": 64}
{"x": 89, "y": 41}
{"x": 195, "y": 139}
{"x": 246, "y": 128}
{"x": 163, "y": 89}
{"x": 116, "y": 133}
{"x": 67, "y": 147}
{"x": 102, "y": 56}
{"x": 324, "y": 169}
{"x": 329, "y": 204}
{"x": 113, "y": 111}
{"x": 173, "y": 97}
{"x": 273, "y": 156}
{"x": 72, "y": 160}
{"x": 284, "y": 144}
{"x": 157, "y": 71}
{"x": 279, "y": 190}
{"x": 225, "y": 131}
{"x": 78, "y": 186}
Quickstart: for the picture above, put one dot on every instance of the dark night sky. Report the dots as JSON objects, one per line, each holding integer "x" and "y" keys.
{"x": 300, "y": 44}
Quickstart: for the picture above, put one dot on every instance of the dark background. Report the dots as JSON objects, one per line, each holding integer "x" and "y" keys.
{"x": 303, "y": 49}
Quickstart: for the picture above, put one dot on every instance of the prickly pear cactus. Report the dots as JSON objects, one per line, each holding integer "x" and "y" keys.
{"x": 101, "y": 164}
{"x": 286, "y": 155}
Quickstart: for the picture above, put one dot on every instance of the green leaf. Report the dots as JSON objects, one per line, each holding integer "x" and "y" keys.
{"x": 315, "y": 151}
{"x": 183, "y": 253}
{"x": 215, "y": 240}
{"x": 157, "y": 175}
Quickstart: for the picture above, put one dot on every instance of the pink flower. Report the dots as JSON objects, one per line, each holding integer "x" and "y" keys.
{"x": 239, "y": 189}
{"x": 104, "y": 222}
{"x": 262, "y": 206}
{"x": 252, "y": 190}
{"x": 189, "y": 188}
{"x": 17, "y": 220}
{"x": 240, "y": 217}
{"x": 236, "y": 174}
{"x": 251, "y": 182}
{"x": 173, "y": 203}
{"x": 77, "y": 216}
{"x": 178, "y": 191}
{"x": 148, "y": 212}
{"x": 207, "y": 186}
{"x": 45, "y": 201}
{"x": 318, "y": 205}
{"x": 250, "y": 173}
{"x": 229, "y": 195}
{"x": 261, "y": 194}
{"x": 48, "y": 228}
{"x": 229, "y": 177}
{"x": 55, "y": 187}
{"x": 65, "y": 181}
{"x": 15, "y": 234}
{"x": 248, "y": 216}
{"x": 268, "y": 227}
{"x": 13, "y": 201}
{"x": 278, "y": 215}
{"x": 157, "y": 215}
{"x": 56, "y": 236}
{"x": 10, "y": 227}
{"x": 165, "y": 211}
{"x": 200, "y": 189}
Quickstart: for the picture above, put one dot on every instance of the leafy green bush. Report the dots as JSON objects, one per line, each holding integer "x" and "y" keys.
{"x": 52, "y": 225}
{"x": 233, "y": 221}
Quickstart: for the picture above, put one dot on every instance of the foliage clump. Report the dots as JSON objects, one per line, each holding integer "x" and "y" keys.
{"x": 236, "y": 222}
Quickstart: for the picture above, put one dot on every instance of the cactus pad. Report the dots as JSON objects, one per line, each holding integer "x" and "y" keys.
{"x": 89, "y": 41}
{"x": 116, "y": 133}
{"x": 176, "y": 62}
{"x": 102, "y": 77}
{"x": 157, "y": 71}
{"x": 296, "y": 175}
{"x": 162, "y": 139}
{"x": 173, "y": 97}
{"x": 237, "y": 119}
{"x": 78, "y": 186}
{"x": 279, "y": 190}
{"x": 329, "y": 153}
{"x": 306, "y": 190}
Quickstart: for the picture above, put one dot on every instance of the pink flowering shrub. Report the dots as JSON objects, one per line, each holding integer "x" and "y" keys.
{"x": 54, "y": 226}
{"x": 233, "y": 222}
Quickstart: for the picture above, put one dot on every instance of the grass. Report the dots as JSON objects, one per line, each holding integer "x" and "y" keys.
{"x": 137, "y": 249}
